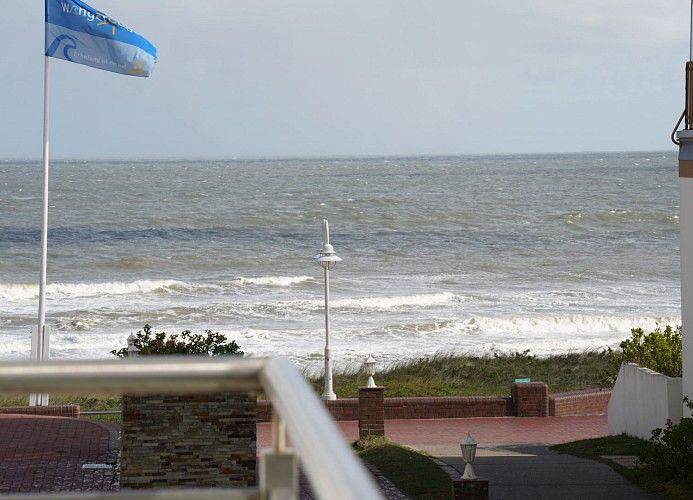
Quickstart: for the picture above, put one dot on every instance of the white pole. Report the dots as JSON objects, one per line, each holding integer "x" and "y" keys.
{"x": 41, "y": 342}
{"x": 328, "y": 393}
{"x": 44, "y": 221}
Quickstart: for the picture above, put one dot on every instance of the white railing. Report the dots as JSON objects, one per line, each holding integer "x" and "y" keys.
{"x": 333, "y": 470}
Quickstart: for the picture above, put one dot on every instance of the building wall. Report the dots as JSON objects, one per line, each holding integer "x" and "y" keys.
{"x": 643, "y": 400}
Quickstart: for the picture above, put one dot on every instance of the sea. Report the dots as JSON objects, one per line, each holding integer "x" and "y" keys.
{"x": 550, "y": 253}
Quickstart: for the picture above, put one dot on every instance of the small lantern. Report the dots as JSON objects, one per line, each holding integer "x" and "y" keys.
{"x": 132, "y": 348}
{"x": 369, "y": 368}
{"x": 468, "y": 446}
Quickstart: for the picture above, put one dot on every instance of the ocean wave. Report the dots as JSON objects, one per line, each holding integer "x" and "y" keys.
{"x": 562, "y": 326}
{"x": 279, "y": 281}
{"x": 25, "y": 291}
{"x": 614, "y": 217}
{"x": 396, "y": 302}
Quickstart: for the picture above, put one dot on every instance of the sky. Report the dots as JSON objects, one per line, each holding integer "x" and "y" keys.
{"x": 239, "y": 78}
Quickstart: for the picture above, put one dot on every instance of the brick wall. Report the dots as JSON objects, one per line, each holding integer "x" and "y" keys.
{"x": 340, "y": 409}
{"x": 447, "y": 407}
{"x": 530, "y": 399}
{"x": 403, "y": 408}
{"x": 192, "y": 441}
{"x": 71, "y": 411}
{"x": 587, "y": 402}
{"x": 371, "y": 412}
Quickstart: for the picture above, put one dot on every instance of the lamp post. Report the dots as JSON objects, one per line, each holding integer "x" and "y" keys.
{"x": 468, "y": 446}
{"x": 327, "y": 258}
{"x": 369, "y": 368}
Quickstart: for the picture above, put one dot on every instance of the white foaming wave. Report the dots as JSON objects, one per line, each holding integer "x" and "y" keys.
{"x": 578, "y": 324}
{"x": 396, "y": 302}
{"x": 289, "y": 308}
{"x": 24, "y": 291}
{"x": 281, "y": 281}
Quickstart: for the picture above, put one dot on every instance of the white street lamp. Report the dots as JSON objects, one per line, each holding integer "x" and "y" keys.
{"x": 369, "y": 368}
{"x": 327, "y": 258}
{"x": 468, "y": 446}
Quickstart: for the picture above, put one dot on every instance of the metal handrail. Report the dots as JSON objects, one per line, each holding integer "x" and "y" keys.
{"x": 332, "y": 468}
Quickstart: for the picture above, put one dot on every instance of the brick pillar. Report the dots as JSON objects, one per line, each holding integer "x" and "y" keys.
{"x": 190, "y": 441}
{"x": 371, "y": 411}
{"x": 530, "y": 399}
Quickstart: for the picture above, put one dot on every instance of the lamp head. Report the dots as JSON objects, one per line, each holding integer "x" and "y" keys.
{"x": 468, "y": 447}
{"x": 326, "y": 256}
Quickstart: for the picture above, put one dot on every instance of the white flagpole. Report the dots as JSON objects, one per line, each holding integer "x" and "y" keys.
{"x": 44, "y": 222}
{"x": 39, "y": 351}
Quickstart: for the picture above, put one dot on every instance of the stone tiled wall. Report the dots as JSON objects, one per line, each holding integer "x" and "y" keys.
{"x": 588, "y": 402}
{"x": 189, "y": 441}
{"x": 71, "y": 411}
{"x": 530, "y": 399}
{"x": 371, "y": 414}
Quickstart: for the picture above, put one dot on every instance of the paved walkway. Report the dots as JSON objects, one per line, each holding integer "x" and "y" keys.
{"x": 513, "y": 454}
{"x": 47, "y": 454}
{"x": 521, "y": 472}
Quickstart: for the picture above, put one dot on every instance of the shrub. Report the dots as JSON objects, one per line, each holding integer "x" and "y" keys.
{"x": 207, "y": 344}
{"x": 669, "y": 455}
{"x": 659, "y": 350}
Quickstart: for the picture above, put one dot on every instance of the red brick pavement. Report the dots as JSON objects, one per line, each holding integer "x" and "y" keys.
{"x": 46, "y": 454}
{"x": 488, "y": 431}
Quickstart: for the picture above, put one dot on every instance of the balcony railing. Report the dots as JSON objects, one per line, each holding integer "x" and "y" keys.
{"x": 333, "y": 470}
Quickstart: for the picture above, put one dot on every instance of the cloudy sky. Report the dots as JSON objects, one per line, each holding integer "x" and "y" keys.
{"x": 357, "y": 77}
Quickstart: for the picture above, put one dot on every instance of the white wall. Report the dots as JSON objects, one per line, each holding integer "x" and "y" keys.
{"x": 643, "y": 400}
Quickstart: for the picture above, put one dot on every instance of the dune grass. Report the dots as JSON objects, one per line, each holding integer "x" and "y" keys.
{"x": 483, "y": 375}
{"x": 414, "y": 473}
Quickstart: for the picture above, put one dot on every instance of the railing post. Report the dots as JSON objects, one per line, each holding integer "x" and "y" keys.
{"x": 278, "y": 467}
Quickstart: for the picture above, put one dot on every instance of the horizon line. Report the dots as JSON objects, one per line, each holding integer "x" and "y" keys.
{"x": 320, "y": 156}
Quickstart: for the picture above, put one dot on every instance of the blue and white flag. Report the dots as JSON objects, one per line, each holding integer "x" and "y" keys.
{"x": 81, "y": 34}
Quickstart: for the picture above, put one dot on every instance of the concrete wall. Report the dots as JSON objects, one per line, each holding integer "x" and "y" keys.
{"x": 643, "y": 400}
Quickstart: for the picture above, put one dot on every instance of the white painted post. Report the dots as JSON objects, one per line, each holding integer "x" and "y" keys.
{"x": 40, "y": 345}
{"x": 686, "y": 228}
{"x": 278, "y": 474}
{"x": 686, "y": 242}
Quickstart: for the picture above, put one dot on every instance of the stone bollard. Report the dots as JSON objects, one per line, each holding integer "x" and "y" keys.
{"x": 530, "y": 399}
{"x": 371, "y": 411}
